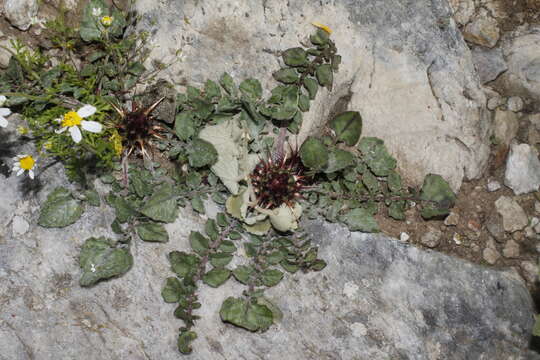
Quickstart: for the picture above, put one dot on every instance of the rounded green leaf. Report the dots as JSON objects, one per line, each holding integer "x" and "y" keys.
{"x": 347, "y": 127}
{"x": 152, "y": 232}
{"x": 286, "y": 76}
{"x": 271, "y": 277}
{"x": 339, "y": 159}
{"x": 295, "y": 57}
{"x": 198, "y": 242}
{"x": 216, "y": 277}
{"x": 314, "y": 154}
{"x": 60, "y": 209}
{"x": 202, "y": 153}
{"x": 324, "y": 75}
{"x": 184, "y": 341}
{"x": 162, "y": 205}
{"x": 251, "y": 88}
{"x": 360, "y": 219}
{"x": 220, "y": 259}
{"x": 172, "y": 290}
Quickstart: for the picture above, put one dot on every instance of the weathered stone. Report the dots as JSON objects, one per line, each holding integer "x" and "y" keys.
{"x": 534, "y": 119}
{"x": 431, "y": 238}
{"x": 537, "y": 206}
{"x": 20, "y": 225}
{"x": 522, "y": 173}
{"x": 20, "y": 12}
{"x": 506, "y": 126}
{"x": 513, "y": 216}
{"x": 405, "y": 68}
{"x": 522, "y": 52}
{"x": 529, "y": 271}
{"x": 489, "y": 63}
{"x": 494, "y": 102}
{"x": 514, "y": 103}
{"x": 482, "y": 30}
{"x": 463, "y": 10}
{"x": 511, "y": 249}
{"x": 356, "y": 308}
{"x": 404, "y": 237}
{"x": 5, "y": 54}
{"x": 452, "y": 219}
{"x": 493, "y": 185}
{"x": 490, "y": 253}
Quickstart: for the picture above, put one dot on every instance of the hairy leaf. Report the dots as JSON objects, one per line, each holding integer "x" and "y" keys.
{"x": 361, "y": 220}
{"x": 152, "y": 232}
{"x": 162, "y": 205}
{"x": 216, "y": 277}
{"x": 347, "y": 127}
{"x": 60, "y": 209}
{"x": 314, "y": 154}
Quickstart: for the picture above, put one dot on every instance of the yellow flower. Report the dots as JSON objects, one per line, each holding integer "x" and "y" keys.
{"x": 107, "y": 20}
{"x": 48, "y": 145}
{"x": 22, "y": 130}
{"x": 321, "y": 26}
{"x": 117, "y": 143}
{"x": 24, "y": 163}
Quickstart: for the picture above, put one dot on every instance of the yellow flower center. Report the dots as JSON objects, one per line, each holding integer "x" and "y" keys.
{"x": 22, "y": 130}
{"x": 48, "y": 145}
{"x": 107, "y": 20}
{"x": 27, "y": 163}
{"x": 117, "y": 143}
{"x": 71, "y": 119}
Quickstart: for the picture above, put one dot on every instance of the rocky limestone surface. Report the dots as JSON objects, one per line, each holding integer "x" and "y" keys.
{"x": 378, "y": 298}
{"x": 522, "y": 52}
{"x": 522, "y": 173}
{"x": 405, "y": 67}
{"x": 20, "y": 12}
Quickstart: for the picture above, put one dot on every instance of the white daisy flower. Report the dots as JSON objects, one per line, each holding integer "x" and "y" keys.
{"x": 72, "y": 120}
{"x": 3, "y": 112}
{"x": 24, "y": 163}
{"x": 96, "y": 11}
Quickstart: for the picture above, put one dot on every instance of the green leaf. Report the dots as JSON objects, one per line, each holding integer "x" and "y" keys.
{"x": 197, "y": 204}
{"x": 242, "y": 273}
{"x": 216, "y": 276}
{"x": 286, "y": 76}
{"x": 96, "y": 55}
{"x": 376, "y": 156}
{"x": 227, "y": 83}
{"x": 317, "y": 265}
{"x": 439, "y": 196}
{"x": 242, "y": 313}
{"x": 251, "y": 88}
{"x": 211, "y": 229}
{"x": 137, "y": 69}
{"x": 221, "y": 219}
{"x": 60, "y": 209}
{"x": 198, "y": 242}
{"x": 271, "y": 277}
{"x": 184, "y": 341}
{"x": 212, "y": 90}
{"x": 314, "y": 154}
{"x": 185, "y": 126}
{"x": 124, "y": 211}
{"x": 89, "y": 29}
{"x": 371, "y": 182}
{"x": 227, "y": 246}
{"x": 361, "y": 220}
{"x": 396, "y": 210}
{"x": 162, "y": 205}
{"x": 303, "y": 103}
{"x": 100, "y": 260}
{"x": 312, "y": 87}
{"x": 295, "y": 57}
{"x": 202, "y": 109}
{"x": 183, "y": 263}
{"x": 338, "y": 160}
{"x": 220, "y": 259}
{"x": 325, "y": 76}
{"x": 274, "y": 258}
{"x": 152, "y": 232}
{"x": 289, "y": 266}
{"x": 347, "y": 127}
{"x": 92, "y": 197}
{"x": 321, "y": 37}
{"x": 172, "y": 290}
{"x": 193, "y": 93}
{"x": 394, "y": 182}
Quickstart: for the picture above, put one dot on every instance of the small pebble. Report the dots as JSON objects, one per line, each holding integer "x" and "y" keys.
{"x": 511, "y": 249}
{"x": 530, "y": 271}
{"x": 514, "y": 104}
{"x": 491, "y": 255}
{"x": 404, "y": 237}
{"x": 493, "y": 185}
{"x": 452, "y": 219}
{"x": 457, "y": 238}
{"x": 537, "y": 206}
{"x": 432, "y": 238}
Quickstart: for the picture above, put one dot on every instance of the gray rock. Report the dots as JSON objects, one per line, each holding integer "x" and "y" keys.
{"x": 506, "y": 126}
{"x": 537, "y": 206}
{"x": 482, "y": 30}
{"x": 489, "y": 63}
{"x": 522, "y": 52}
{"x": 511, "y": 249}
{"x": 20, "y": 12}
{"x": 494, "y": 102}
{"x": 405, "y": 67}
{"x": 431, "y": 238}
{"x": 513, "y": 216}
{"x": 452, "y": 219}
{"x": 404, "y": 237}
{"x": 534, "y": 119}
{"x": 522, "y": 173}
{"x": 377, "y": 299}
{"x": 20, "y": 225}
{"x": 514, "y": 104}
